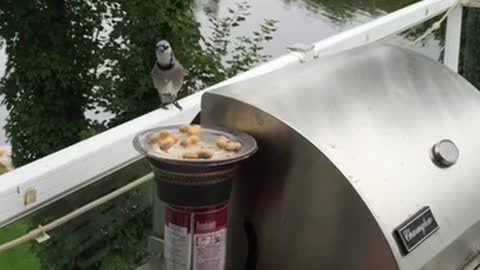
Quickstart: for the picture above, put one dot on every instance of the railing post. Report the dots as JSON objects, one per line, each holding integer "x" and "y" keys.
{"x": 453, "y": 37}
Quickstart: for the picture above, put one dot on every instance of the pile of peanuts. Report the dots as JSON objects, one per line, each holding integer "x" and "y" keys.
{"x": 166, "y": 139}
{"x": 193, "y": 138}
{"x": 193, "y": 135}
{"x": 224, "y": 143}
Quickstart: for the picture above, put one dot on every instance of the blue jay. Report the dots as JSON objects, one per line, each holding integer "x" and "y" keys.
{"x": 167, "y": 74}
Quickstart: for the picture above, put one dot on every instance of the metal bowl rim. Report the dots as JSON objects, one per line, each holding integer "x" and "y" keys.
{"x": 248, "y": 142}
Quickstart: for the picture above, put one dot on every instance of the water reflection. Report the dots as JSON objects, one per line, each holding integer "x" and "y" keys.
{"x": 308, "y": 21}
{"x": 343, "y": 12}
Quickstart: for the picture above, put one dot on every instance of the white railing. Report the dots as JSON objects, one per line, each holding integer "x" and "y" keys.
{"x": 70, "y": 169}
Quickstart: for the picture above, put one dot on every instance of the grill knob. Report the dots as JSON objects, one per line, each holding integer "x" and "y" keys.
{"x": 445, "y": 153}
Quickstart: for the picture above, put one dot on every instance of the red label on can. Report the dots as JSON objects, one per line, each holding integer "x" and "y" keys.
{"x": 177, "y": 217}
{"x": 204, "y": 249}
{"x": 210, "y": 221}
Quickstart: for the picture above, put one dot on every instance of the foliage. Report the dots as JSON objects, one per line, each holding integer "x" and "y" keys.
{"x": 126, "y": 88}
{"x": 112, "y": 236}
{"x": 125, "y": 85}
{"x": 471, "y": 54}
{"x": 48, "y": 79}
{"x": 69, "y": 57}
{"x": 18, "y": 258}
{"x": 245, "y": 52}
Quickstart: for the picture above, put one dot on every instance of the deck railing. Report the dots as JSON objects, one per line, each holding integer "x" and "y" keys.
{"x": 61, "y": 173}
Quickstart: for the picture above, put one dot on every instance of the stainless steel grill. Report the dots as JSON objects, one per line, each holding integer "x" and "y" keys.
{"x": 368, "y": 160}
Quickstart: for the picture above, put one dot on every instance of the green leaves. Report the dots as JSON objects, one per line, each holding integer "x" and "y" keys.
{"x": 238, "y": 54}
{"x": 58, "y": 68}
{"x": 49, "y": 46}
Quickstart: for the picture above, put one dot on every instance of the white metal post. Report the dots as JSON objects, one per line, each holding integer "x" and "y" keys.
{"x": 453, "y": 37}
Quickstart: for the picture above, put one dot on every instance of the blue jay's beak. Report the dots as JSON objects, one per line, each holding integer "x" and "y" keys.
{"x": 162, "y": 48}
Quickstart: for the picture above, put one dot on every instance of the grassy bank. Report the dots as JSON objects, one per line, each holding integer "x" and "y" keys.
{"x": 19, "y": 258}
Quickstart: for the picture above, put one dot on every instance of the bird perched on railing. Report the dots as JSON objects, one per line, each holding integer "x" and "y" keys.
{"x": 167, "y": 74}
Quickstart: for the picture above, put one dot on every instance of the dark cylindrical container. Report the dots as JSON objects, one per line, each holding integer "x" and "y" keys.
{"x": 196, "y": 194}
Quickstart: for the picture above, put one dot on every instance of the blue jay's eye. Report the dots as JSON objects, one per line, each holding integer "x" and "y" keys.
{"x": 163, "y": 47}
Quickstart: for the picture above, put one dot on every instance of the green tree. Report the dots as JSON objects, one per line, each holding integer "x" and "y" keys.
{"x": 471, "y": 54}
{"x": 112, "y": 236}
{"x": 48, "y": 78}
{"x": 233, "y": 57}
{"x": 66, "y": 57}
{"x": 125, "y": 87}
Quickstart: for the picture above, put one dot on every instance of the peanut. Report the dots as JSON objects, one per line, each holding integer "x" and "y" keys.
{"x": 175, "y": 139}
{"x": 166, "y": 143}
{"x": 194, "y": 139}
{"x": 233, "y": 146}
{"x": 205, "y": 153}
{"x": 222, "y": 142}
{"x": 164, "y": 134}
{"x": 186, "y": 142}
{"x": 190, "y": 155}
{"x": 194, "y": 130}
{"x": 160, "y": 136}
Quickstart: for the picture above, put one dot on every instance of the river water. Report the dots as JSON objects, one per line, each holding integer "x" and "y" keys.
{"x": 309, "y": 21}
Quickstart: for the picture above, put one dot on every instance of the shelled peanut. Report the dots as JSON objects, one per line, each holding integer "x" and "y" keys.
{"x": 233, "y": 147}
{"x": 191, "y": 146}
{"x": 193, "y": 135}
{"x": 205, "y": 153}
{"x": 224, "y": 143}
{"x": 165, "y": 140}
{"x": 157, "y": 138}
{"x": 194, "y": 130}
{"x": 190, "y": 155}
{"x": 191, "y": 140}
{"x": 199, "y": 154}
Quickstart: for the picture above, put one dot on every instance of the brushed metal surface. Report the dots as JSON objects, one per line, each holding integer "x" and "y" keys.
{"x": 345, "y": 157}
{"x": 305, "y": 215}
